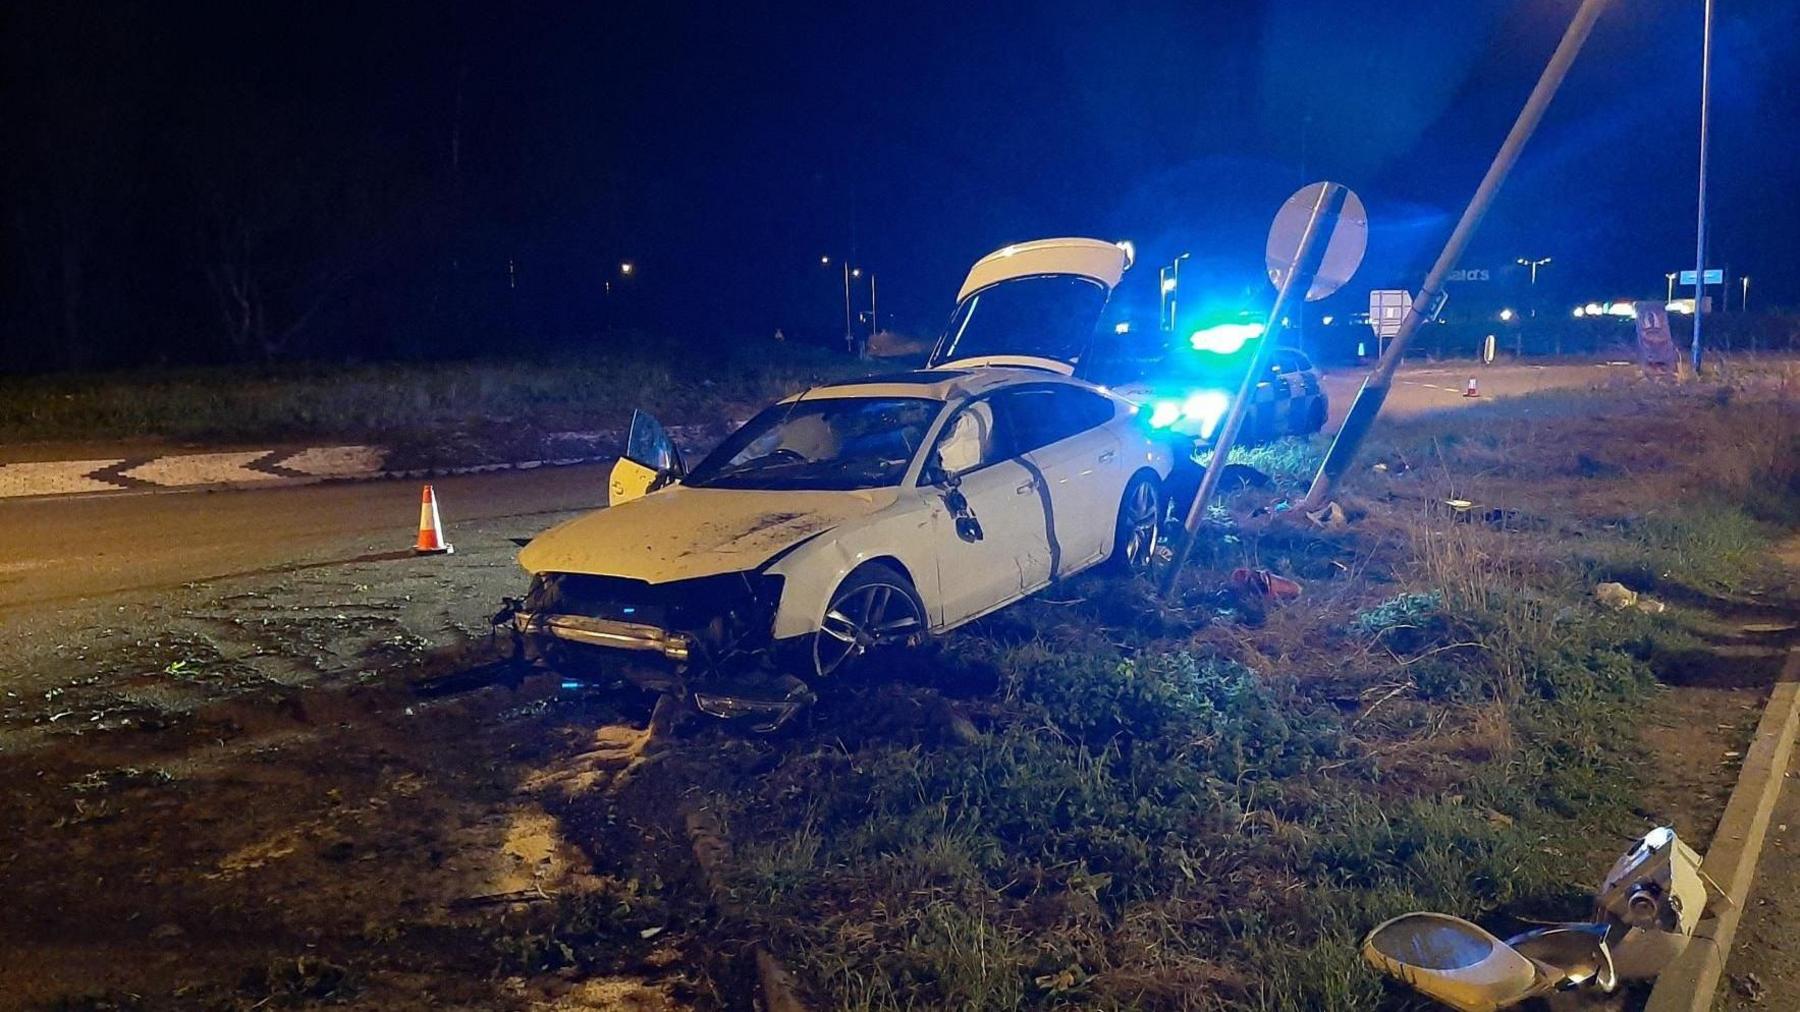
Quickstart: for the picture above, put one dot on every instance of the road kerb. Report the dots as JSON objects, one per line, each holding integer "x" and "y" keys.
{"x": 1690, "y": 982}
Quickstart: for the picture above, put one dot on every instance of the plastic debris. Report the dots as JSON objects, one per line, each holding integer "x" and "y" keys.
{"x": 1645, "y": 913}
{"x": 1616, "y": 596}
{"x": 1265, "y": 584}
{"x": 1329, "y": 515}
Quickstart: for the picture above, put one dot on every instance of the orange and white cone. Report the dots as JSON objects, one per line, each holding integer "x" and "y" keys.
{"x": 431, "y": 529}
{"x": 1470, "y": 390}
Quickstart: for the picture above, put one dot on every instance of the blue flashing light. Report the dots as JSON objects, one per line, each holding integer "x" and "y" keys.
{"x": 1164, "y": 414}
{"x": 1206, "y": 407}
{"x": 1226, "y": 338}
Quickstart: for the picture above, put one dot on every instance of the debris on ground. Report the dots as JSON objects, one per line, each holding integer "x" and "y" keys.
{"x": 1645, "y": 912}
{"x": 1750, "y": 986}
{"x": 1459, "y": 509}
{"x": 1265, "y": 585}
{"x": 1616, "y": 596}
{"x": 1619, "y": 597}
{"x": 1329, "y": 515}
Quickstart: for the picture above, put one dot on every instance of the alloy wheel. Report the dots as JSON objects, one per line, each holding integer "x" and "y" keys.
{"x": 865, "y": 617}
{"x": 1142, "y": 526}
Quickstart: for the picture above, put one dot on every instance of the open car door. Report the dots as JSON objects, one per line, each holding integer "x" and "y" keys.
{"x": 651, "y": 461}
{"x": 1034, "y": 304}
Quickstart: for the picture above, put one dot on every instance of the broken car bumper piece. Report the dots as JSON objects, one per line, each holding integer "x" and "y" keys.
{"x": 1645, "y": 913}
{"x": 771, "y": 704}
{"x": 600, "y": 632}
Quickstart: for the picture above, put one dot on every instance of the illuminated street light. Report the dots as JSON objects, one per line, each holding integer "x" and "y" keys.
{"x": 1326, "y": 320}
{"x": 824, "y": 261}
{"x": 1580, "y": 312}
{"x": 1533, "y": 264}
{"x": 1122, "y": 327}
{"x": 856, "y": 272}
{"x": 626, "y": 268}
{"x": 1506, "y": 316}
{"x": 1744, "y": 303}
{"x": 1672, "y": 275}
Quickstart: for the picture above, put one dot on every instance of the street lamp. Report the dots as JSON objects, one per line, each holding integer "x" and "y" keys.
{"x": 1744, "y": 303}
{"x": 1506, "y": 316}
{"x": 1672, "y": 275}
{"x": 1533, "y": 264}
{"x": 626, "y": 268}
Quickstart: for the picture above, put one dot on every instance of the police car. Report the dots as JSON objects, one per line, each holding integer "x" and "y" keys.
{"x": 1187, "y": 391}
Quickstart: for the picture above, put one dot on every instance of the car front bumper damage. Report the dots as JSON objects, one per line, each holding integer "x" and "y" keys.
{"x": 721, "y": 663}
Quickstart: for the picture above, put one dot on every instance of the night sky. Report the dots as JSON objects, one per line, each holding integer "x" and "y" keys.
{"x": 199, "y": 181}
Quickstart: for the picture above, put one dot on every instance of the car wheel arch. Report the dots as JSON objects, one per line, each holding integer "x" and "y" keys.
{"x": 1148, "y": 474}
{"x": 815, "y": 573}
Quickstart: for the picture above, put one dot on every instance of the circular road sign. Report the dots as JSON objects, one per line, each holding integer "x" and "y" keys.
{"x": 1343, "y": 253}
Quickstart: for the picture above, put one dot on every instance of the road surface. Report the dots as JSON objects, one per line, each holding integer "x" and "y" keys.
{"x": 89, "y": 550}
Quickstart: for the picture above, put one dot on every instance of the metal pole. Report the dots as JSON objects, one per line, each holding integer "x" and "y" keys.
{"x": 849, "y": 344}
{"x": 1381, "y": 379}
{"x": 874, "y": 318}
{"x": 1700, "y": 214}
{"x": 1299, "y": 279}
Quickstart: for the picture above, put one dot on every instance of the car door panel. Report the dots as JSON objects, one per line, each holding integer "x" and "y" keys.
{"x": 1077, "y": 493}
{"x": 1010, "y": 555}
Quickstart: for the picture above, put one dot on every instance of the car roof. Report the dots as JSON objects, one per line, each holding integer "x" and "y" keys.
{"x": 938, "y": 384}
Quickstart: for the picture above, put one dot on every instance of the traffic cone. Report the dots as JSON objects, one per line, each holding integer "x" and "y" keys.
{"x": 431, "y": 529}
{"x": 1470, "y": 391}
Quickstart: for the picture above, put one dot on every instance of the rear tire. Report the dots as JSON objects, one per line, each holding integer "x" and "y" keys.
{"x": 875, "y": 607}
{"x": 1138, "y": 531}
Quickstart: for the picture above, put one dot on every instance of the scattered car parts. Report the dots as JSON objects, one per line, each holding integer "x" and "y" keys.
{"x": 1644, "y": 915}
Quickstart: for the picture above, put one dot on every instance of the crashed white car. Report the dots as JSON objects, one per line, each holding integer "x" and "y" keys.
{"x": 866, "y": 513}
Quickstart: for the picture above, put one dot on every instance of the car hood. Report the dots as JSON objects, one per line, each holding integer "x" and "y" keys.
{"x": 683, "y": 533}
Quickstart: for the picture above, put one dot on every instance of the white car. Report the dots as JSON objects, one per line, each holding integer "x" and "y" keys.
{"x": 866, "y": 513}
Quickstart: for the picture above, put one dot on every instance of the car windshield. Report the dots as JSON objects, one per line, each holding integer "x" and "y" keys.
{"x": 1050, "y": 316}
{"x": 833, "y": 444}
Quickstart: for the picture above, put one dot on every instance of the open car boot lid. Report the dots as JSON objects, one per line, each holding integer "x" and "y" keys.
{"x": 1034, "y": 305}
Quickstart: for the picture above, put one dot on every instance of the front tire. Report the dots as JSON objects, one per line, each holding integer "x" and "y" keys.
{"x": 1138, "y": 533}
{"x": 1315, "y": 418}
{"x": 875, "y": 607}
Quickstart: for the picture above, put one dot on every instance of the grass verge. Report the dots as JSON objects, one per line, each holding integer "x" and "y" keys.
{"x": 1205, "y": 803}
{"x": 412, "y": 404}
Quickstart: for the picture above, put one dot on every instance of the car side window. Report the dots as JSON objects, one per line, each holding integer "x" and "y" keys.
{"x": 972, "y": 439}
{"x": 1044, "y": 415}
{"x": 1301, "y": 362}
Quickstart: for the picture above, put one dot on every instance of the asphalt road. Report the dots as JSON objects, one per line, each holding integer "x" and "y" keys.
{"x": 99, "y": 550}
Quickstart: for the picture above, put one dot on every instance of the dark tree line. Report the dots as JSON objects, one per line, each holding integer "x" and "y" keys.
{"x": 206, "y": 182}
